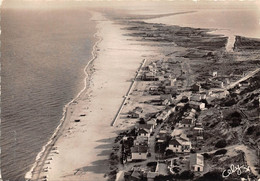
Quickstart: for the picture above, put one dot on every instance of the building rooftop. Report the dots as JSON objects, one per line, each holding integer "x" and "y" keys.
{"x": 196, "y": 159}
{"x": 142, "y": 131}
{"x": 145, "y": 126}
{"x": 139, "y": 149}
{"x": 174, "y": 142}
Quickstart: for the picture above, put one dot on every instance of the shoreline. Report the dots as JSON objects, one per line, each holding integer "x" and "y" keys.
{"x": 46, "y": 149}
{"x": 96, "y": 108}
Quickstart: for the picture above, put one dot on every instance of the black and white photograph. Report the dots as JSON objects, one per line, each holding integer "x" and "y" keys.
{"x": 130, "y": 90}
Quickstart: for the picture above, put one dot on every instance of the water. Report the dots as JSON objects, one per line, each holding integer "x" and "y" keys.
{"x": 226, "y": 19}
{"x": 43, "y": 56}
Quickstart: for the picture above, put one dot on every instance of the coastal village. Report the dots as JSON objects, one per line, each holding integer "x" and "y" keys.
{"x": 179, "y": 126}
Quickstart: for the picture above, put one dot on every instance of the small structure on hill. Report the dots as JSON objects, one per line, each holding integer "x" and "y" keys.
{"x": 196, "y": 162}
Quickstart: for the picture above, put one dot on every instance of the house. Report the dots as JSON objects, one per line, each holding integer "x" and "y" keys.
{"x": 162, "y": 137}
{"x": 203, "y": 95}
{"x": 134, "y": 175}
{"x": 170, "y": 90}
{"x": 197, "y": 105}
{"x": 191, "y": 114}
{"x": 152, "y": 122}
{"x": 148, "y": 127}
{"x": 149, "y": 76}
{"x": 139, "y": 152}
{"x": 218, "y": 84}
{"x": 219, "y": 94}
{"x": 214, "y": 73}
{"x": 166, "y": 96}
{"x": 163, "y": 116}
{"x": 186, "y": 123}
{"x": 143, "y": 132}
{"x": 196, "y": 97}
{"x": 244, "y": 83}
{"x": 195, "y": 88}
{"x": 199, "y": 124}
{"x": 227, "y": 81}
{"x": 169, "y": 82}
{"x": 180, "y": 145}
{"x": 151, "y": 175}
{"x": 141, "y": 140}
{"x": 198, "y": 130}
{"x": 177, "y": 132}
{"x": 138, "y": 110}
{"x": 196, "y": 162}
{"x": 167, "y": 76}
{"x": 133, "y": 115}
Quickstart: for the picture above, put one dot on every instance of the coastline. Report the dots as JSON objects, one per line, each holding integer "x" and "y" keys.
{"x": 66, "y": 157}
{"x": 79, "y": 146}
{"x": 46, "y": 149}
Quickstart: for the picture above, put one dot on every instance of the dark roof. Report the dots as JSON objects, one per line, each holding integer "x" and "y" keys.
{"x": 145, "y": 126}
{"x": 142, "y": 131}
{"x": 139, "y": 149}
{"x": 186, "y": 121}
{"x": 174, "y": 142}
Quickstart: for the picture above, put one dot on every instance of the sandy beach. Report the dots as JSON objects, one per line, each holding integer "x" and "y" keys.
{"x": 82, "y": 150}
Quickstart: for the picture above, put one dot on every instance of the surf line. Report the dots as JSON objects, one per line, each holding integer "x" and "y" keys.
{"x": 48, "y": 146}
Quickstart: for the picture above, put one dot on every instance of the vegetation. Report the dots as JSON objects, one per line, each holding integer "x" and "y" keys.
{"x": 211, "y": 176}
{"x": 220, "y": 152}
{"x": 234, "y": 119}
{"x": 221, "y": 144}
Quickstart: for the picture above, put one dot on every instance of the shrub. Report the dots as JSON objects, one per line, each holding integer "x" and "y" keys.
{"x": 193, "y": 151}
{"x": 169, "y": 152}
{"x": 230, "y": 102}
{"x": 250, "y": 130}
{"x": 211, "y": 176}
{"x": 142, "y": 121}
{"x": 149, "y": 164}
{"x": 234, "y": 119}
{"x": 206, "y": 156}
{"x": 221, "y": 144}
{"x": 220, "y": 152}
{"x": 187, "y": 174}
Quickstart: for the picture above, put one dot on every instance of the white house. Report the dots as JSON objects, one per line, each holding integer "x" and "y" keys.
{"x": 197, "y": 105}
{"x": 139, "y": 152}
{"x": 180, "y": 145}
{"x": 219, "y": 93}
{"x": 196, "y": 162}
{"x": 152, "y": 122}
{"x": 141, "y": 140}
{"x": 148, "y": 127}
{"x": 186, "y": 123}
{"x": 203, "y": 95}
{"x": 215, "y": 74}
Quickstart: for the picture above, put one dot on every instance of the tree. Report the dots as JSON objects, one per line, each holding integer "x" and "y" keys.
{"x": 221, "y": 144}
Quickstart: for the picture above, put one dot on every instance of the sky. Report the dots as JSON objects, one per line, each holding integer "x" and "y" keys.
{"x": 51, "y": 3}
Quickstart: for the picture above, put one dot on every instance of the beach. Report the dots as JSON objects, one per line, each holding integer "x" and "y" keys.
{"x": 81, "y": 151}
{"x": 142, "y": 70}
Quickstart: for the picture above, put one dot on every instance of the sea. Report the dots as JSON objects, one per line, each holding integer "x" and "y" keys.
{"x": 43, "y": 54}
{"x": 222, "y": 18}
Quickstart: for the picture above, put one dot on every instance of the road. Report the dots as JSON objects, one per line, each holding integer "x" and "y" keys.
{"x": 243, "y": 79}
{"x": 127, "y": 94}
